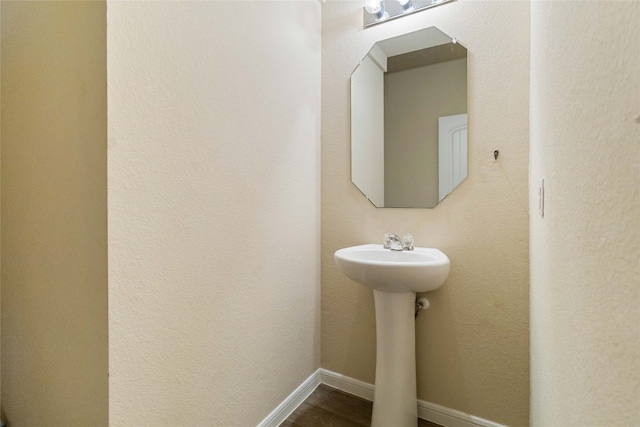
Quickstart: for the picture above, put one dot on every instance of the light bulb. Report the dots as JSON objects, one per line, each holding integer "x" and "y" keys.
{"x": 374, "y": 7}
{"x": 406, "y": 5}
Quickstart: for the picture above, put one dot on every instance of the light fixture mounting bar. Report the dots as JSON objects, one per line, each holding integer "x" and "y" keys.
{"x": 395, "y": 10}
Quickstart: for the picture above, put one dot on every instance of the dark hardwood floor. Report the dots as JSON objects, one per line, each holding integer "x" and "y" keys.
{"x": 328, "y": 407}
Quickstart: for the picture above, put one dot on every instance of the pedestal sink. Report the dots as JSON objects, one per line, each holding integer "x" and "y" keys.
{"x": 395, "y": 277}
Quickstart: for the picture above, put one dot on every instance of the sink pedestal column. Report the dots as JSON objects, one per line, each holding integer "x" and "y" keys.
{"x": 395, "y": 402}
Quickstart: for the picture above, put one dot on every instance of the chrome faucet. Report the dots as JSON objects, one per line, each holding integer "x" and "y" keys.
{"x": 392, "y": 241}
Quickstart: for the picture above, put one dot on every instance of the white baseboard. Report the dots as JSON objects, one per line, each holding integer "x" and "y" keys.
{"x": 446, "y": 417}
{"x": 286, "y": 408}
{"x": 347, "y": 384}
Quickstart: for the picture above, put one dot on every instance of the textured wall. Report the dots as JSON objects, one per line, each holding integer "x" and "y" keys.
{"x": 0, "y": 210}
{"x": 214, "y": 185}
{"x": 473, "y": 343}
{"x": 54, "y": 214}
{"x": 585, "y": 323}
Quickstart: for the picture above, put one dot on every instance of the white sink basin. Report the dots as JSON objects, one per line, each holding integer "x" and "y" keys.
{"x": 420, "y": 270}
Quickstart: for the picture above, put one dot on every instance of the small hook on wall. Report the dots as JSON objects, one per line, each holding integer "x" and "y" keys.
{"x": 496, "y": 154}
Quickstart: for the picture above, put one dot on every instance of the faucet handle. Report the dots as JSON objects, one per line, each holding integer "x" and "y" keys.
{"x": 407, "y": 242}
{"x": 387, "y": 241}
{"x": 392, "y": 241}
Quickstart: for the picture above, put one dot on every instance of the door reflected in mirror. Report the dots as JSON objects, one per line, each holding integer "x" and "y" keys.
{"x": 409, "y": 120}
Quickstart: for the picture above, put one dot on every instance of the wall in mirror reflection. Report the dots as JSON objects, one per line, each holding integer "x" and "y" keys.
{"x": 409, "y": 120}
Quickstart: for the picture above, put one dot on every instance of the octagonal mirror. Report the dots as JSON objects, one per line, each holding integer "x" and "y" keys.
{"x": 409, "y": 120}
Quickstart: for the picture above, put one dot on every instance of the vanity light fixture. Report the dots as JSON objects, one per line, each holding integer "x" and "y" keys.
{"x": 378, "y": 11}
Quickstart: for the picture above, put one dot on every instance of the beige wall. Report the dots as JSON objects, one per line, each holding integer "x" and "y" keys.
{"x": 585, "y": 323}
{"x": 472, "y": 344}
{"x": 54, "y": 214}
{"x": 0, "y": 212}
{"x": 214, "y": 185}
